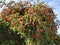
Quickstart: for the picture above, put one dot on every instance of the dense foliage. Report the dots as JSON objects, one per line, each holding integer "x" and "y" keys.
{"x": 57, "y": 40}
{"x": 27, "y": 24}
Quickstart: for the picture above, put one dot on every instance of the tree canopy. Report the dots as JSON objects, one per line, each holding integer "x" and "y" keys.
{"x": 27, "y": 23}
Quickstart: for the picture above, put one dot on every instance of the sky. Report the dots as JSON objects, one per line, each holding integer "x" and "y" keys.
{"x": 52, "y": 3}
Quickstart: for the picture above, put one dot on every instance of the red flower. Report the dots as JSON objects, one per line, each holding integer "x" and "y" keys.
{"x": 44, "y": 30}
{"x": 38, "y": 37}
{"x": 40, "y": 23}
{"x": 32, "y": 12}
{"x": 33, "y": 36}
{"x": 45, "y": 7}
{"x": 38, "y": 32}
{"x": 49, "y": 19}
{"x": 31, "y": 20}
{"x": 41, "y": 30}
{"x": 41, "y": 13}
{"x": 8, "y": 19}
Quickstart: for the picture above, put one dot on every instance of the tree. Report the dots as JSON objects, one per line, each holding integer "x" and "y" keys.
{"x": 34, "y": 24}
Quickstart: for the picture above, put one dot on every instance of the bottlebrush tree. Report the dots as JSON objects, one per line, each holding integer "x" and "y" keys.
{"x": 34, "y": 23}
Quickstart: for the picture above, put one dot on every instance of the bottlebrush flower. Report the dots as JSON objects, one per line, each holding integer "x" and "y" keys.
{"x": 40, "y": 12}
{"x": 45, "y": 9}
{"x": 12, "y": 11}
{"x": 33, "y": 36}
{"x": 31, "y": 20}
{"x": 49, "y": 19}
{"x": 44, "y": 30}
{"x": 40, "y": 23}
{"x": 31, "y": 43}
{"x": 33, "y": 23}
{"x": 38, "y": 32}
{"x": 32, "y": 12}
{"x": 41, "y": 30}
{"x": 1, "y": 16}
{"x": 8, "y": 19}
{"x": 35, "y": 9}
{"x": 38, "y": 37}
